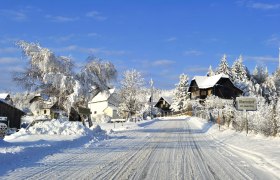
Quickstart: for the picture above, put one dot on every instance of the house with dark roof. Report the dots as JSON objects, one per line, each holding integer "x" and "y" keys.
{"x": 164, "y": 104}
{"x": 218, "y": 85}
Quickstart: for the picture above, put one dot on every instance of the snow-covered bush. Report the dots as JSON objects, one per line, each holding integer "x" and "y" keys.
{"x": 101, "y": 118}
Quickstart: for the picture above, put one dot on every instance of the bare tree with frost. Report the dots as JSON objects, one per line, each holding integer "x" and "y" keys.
{"x": 53, "y": 75}
{"x": 132, "y": 84}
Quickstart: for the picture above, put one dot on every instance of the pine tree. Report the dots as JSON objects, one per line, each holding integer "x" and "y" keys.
{"x": 180, "y": 100}
{"x": 239, "y": 71}
{"x": 210, "y": 72}
{"x": 224, "y": 67}
{"x": 276, "y": 77}
{"x": 260, "y": 74}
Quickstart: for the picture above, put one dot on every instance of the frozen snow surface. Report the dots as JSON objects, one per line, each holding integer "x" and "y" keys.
{"x": 165, "y": 148}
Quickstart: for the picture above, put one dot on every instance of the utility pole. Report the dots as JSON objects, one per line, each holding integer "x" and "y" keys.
{"x": 151, "y": 98}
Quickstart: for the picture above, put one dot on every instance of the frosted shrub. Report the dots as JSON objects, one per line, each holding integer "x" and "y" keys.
{"x": 238, "y": 122}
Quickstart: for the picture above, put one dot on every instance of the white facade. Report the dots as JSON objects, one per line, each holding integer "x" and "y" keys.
{"x": 104, "y": 103}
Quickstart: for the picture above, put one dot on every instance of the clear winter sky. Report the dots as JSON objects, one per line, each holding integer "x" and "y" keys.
{"x": 162, "y": 39}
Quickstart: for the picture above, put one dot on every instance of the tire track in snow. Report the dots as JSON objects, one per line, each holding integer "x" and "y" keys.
{"x": 167, "y": 149}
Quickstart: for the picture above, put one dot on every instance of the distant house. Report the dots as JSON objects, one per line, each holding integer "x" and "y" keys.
{"x": 105, "y": 103}
{"x": 164, "y": 104}
{"x": 219, "y": 85}
{"x": 42, "y": 105}
{"x": 12, "y": 113}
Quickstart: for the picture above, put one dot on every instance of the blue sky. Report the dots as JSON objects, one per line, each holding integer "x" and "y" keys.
{"x": 162, "y": 39}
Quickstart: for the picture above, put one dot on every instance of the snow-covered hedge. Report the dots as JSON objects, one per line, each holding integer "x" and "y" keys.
{"x": 266, "y": 120}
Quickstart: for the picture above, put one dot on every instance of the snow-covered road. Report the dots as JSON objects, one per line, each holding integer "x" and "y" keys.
{"x": 161, "y": 149}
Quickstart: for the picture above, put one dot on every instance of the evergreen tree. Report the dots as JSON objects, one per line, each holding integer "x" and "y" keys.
{"x": 224, "y": 67}
{"x": 210, "y": 72}
{"x": 239, "y": 71}
{"x": 260, "y": 74}
{"x": 180, "y": 100}
{"x": 276, "y": 77}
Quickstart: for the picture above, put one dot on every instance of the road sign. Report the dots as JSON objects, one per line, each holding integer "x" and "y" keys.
{"x": 246, "y": 103}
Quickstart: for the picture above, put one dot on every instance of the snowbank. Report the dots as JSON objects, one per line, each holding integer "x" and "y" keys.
{"x": 58, "y": 127}
{"x": 53, "y": 130}
{"x": 257, "y": 148}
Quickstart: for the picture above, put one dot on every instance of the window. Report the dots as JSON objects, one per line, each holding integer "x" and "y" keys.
{"x": 203, "y": 93}
{"x": 45, "y": 111}
{"x": 94, "y": 112}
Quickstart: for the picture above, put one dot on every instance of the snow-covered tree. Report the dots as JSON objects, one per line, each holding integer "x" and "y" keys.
{"x": 269, "y": 91}
{"x": 94, "y": 77}
{"x": 238, "y": 70}
{"x": 260, "y": 74}
{"x": 276, "y": 77}
{"x": 131, "y": 86}
{"x": 42, "y": 62}
{"x": 210, "y": 72}
{"x": 180, "y": 100}
{"x": 224, "y": 67}
{"x": 53, "y": 75}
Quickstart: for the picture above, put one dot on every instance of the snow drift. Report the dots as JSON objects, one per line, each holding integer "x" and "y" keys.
{"x": 58, "y": 127}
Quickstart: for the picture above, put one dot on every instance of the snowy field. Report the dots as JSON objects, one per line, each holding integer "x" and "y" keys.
{"x": 166, "y": 148}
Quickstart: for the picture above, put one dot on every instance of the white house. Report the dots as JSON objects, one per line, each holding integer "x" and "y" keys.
{"x": 105, "y": 103}
{"x": 42, "y": 105}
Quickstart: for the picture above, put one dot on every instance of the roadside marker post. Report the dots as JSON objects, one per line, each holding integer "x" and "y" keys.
{"x": 219, "y": 120}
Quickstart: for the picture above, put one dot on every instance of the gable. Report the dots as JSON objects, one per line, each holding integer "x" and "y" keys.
{"x": 102, "y": 96}
{"x": 4, "y": 96}
{"x": 205, "y": 82}
{"x": 227, "y": 83}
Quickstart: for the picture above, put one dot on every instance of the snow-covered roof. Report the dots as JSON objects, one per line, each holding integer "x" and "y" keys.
{"x": 103, "y": 96}
{"x": 204, "y": 82}
{"x": 168, "y": 99}
{"x": 3, "y": 95}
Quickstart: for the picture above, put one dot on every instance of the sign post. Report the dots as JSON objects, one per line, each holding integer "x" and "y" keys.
{"x": 246, "y": 104}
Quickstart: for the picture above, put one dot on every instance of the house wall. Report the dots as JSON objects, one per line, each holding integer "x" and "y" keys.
{"x": 195, "y": 92}
{"x": 163, "y": 105}
{"x": 46, "y": 112}
{"x": 226, "y": 90}
{"x": 112, "y": 112}
{"x": 13, "y": 114}
{"x": 97, "y": 108}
